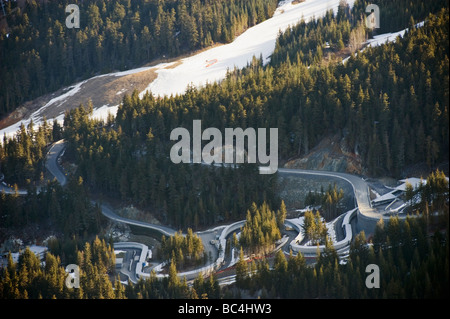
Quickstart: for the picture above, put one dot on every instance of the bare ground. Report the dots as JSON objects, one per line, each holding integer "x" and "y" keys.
{"x": 332, "y": 154}
{"x": 104, "y": 90}
{"x": 101, "y": 90}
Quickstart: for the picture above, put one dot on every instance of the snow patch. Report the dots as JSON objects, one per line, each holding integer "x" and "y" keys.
{"x": 258, "y": 41}
{"x": 385, "y": 38}
{"x": 102, "y": 112}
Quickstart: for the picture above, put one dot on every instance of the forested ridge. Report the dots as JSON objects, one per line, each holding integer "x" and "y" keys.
{"x": 390, "y": 104}
{"x": 415, "y": 268}
{"x": 40, "y": 55}
{"x": 412, "y": 254}
{"x": 22, "y": 157}
{"x": 68, "y": 211}
{"x": 396, "y": 15}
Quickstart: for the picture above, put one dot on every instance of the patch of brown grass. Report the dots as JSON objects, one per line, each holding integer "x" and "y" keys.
{"x": 173, "y": 66}
{"x": 103, "y": 90}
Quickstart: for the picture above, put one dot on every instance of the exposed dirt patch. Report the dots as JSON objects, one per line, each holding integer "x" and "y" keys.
{"x": 111, "y": 89}
{"x": 332, "y": 154}
{"x": 101, "y": 90}
{"x": 173, "y": 66}
{"x": 132, "y": 212}
{"x": 26, "y": 109}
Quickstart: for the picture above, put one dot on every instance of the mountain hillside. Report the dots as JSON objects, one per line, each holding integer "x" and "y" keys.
{"x": 331, "y": 154}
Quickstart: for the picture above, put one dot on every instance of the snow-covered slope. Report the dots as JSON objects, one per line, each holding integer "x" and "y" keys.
{"x": 210, "y": 65}
{"x": 37, "y": 116}
{"x": 390, "y": 37}
{"x": 260, "y": 40}
{"x": 386, "y": 38}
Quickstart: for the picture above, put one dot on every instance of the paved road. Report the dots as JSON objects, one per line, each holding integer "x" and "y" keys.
{"x": 52, "y": 165}
{"x": 360, "y": 187}
{"x": 166, "y": 231}
{"x": 51, "y": 162}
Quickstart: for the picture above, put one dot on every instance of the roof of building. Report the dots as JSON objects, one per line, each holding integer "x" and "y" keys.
{"x": 385, "y": 197}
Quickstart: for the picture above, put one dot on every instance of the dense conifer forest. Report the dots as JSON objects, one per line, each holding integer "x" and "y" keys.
{"x": 415, "y": 267}
{"x": 40, "y": 55}
{"x": 414, "y": 260}
{"x": 389, "y": 103}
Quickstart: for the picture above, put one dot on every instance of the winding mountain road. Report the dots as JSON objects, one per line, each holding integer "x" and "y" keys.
{"x": 51, "y": 162}
{"x": 55, "y": 169}
{"x": 360, "y": 188}
{"x": 359, "y": 185}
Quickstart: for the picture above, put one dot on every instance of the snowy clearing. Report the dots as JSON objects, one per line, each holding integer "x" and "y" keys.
{"x": 212, "y": 65}
{"x": 385, "y": 38}
{"x": 389, "y": 37}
